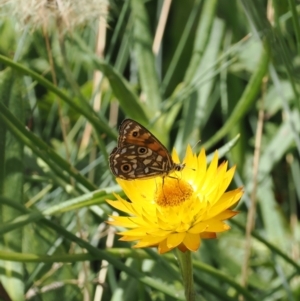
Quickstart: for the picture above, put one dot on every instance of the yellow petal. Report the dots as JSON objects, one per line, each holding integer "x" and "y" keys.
{"x": 120, "y": 205}
{"x": 227, "y": 214}
{"x": 201, "y": 169}
{"x": 158, "y": 232}
{"x": 216, "y": 226}
{"x": 122, "y": 221}
{"x": 135, "y": 232}
{"x": 148, "y": 242}
{"x": 175, "y": 239}
{"x": 212, "y": 169}
{"x": 175, "y": 156}
{"x": 226, "y": 201}
{"x": 163, "y": 247}
{"x": 130, "y": 238}
{"x": 208, "y": 235}
{"x": 192, "y": 241}
{"x": 182, "y": 248}
{"x": 229, "y": 176}
{"x": 198, "y": 228}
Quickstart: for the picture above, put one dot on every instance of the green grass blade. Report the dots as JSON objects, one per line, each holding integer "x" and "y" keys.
{"x": 42, "y": 149}
{"x": 202, "y": 36}
{"x": 12, "y": 274}
{"x": 127, "y": 98}
{"x": 85, "y": 110}
{"x": 246, "y": 100}
{"x": 142, "y": 43}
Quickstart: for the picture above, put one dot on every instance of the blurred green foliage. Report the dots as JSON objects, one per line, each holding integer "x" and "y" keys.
{"x": 219, "y": 64}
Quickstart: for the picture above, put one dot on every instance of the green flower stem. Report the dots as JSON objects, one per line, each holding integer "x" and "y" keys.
{"x": 186, "y": 267}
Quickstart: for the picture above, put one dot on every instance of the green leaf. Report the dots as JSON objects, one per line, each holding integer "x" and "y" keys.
{"x": 12, "y": 273}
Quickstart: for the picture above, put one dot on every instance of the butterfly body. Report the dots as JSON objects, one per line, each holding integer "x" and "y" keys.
{"x": 139, "y": 154}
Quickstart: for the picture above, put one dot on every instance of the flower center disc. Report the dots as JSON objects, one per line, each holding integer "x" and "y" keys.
{"x": 173, "y": 192}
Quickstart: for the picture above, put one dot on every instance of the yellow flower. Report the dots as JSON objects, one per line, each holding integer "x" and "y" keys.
{"x": 180, "y": 209}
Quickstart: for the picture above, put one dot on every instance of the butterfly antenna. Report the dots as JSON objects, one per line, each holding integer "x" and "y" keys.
{"x": 156, "y": 186}
{"x": 178, "y": 182}
{"x": 162, "y": 188}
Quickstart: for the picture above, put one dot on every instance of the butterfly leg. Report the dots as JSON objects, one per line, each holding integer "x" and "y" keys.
{"x": 163, "y": 182}
{"x": 177, "y": 182}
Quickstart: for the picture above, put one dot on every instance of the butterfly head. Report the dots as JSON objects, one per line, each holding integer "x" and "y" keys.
{"x": 179, "y": 167}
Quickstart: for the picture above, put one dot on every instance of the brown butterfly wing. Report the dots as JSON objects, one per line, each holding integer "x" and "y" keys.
{"x": 133, "y": 133}
{"x": 139, "y": 154}
{"x": 137, "y": 162}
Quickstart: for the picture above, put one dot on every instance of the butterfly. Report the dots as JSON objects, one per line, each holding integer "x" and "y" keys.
{"x": 139, "y": 154}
